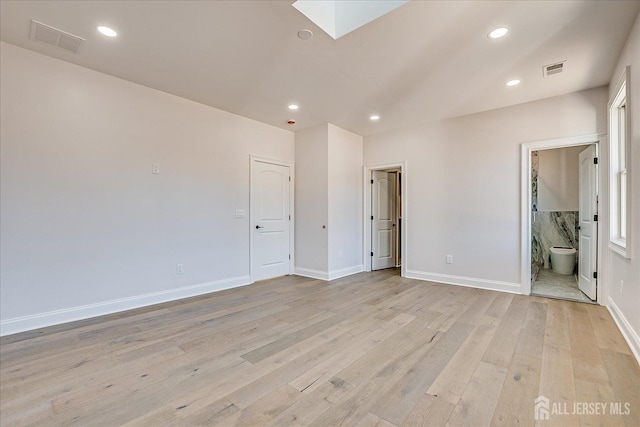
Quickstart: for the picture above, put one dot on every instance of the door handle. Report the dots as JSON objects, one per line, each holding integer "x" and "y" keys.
{"x": 258, "y": 227}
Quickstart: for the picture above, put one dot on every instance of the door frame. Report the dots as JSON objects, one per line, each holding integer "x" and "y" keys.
{"x": 525, "y": 206}
{"x": 366, "y": 220}
{"x": 252, "y": 160}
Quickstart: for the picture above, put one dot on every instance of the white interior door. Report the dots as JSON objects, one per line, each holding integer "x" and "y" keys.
{"x": 383, "y": 209}
{"x": 270, "y": 216}
{"x": 588, "y": 232}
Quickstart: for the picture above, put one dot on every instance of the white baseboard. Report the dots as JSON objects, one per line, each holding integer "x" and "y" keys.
{"x": 331, "y": 275}
{"x": 625, "y": 327}
{"x": 314, "y": 274}
{"x": 470, "y": 282}
{"x": 72, "y": 314}
{"x": 343, "y": 272}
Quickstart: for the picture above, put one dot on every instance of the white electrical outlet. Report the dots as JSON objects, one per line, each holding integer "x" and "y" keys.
{"x": 449, "y": 259}
{"x": 180, "y": 269}
{"x": 155, "y": 169}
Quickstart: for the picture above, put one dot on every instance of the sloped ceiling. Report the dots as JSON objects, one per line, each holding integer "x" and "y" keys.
{"x": 424, "y": 61}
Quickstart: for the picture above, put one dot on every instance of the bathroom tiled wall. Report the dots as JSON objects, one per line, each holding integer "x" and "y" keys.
{"x": 551, "y": 229}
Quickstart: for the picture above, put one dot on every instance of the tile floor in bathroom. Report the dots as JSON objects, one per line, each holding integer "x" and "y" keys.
{"x": 554, "y": 285}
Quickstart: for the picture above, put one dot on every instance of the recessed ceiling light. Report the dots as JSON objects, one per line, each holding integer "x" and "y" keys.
{"x": 498, "y": 32}
{"x": 513, "y": 82}
{"x": 374, "y": 117}
{"x": 293, "y": 107}
{"x": 109, "y": 32}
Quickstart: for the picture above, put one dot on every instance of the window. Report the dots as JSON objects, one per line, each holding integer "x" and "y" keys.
{"x": 619, "y": 193}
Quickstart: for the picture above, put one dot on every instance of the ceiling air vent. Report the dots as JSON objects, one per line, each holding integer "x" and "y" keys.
{"x": 551, "y": 69}
{"x": 52, "y": 36}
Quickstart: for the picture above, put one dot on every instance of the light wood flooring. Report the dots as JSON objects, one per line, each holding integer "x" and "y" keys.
{"x": 372, "y": 349}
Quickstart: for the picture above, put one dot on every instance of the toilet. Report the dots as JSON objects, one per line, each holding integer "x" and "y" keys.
{"x": 563, "y": 259}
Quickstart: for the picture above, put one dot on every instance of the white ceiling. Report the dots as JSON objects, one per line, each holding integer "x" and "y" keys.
{"x": 424, "y": 61}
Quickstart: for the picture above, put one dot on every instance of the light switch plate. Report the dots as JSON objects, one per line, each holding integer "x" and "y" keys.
{"x": 240, "y": 213}
{"x": 155, "y": 169}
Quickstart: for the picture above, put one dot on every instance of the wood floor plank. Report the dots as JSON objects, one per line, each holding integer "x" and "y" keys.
{"x": 399, "y": 400}
{"x": 429, "y": 411}
{"x": 140, "y": 392}
{"x": 326, "y": 370}
{"x": 504, "y": 342}
{"x": 453, "y": 378}
{"x": 585, "y": 352}
{"x": 375, "y": 373}
{"x": 460, "y": 307}
{"x": 557, "y": 383}
{"x": 474, "y": 313}
{"x": 371, "y": 420}
{"x": 623, "y": 371}
{"x": 556, "y": 375}
{"x": 342, "y": 344}
{"x": 590, "y": 393}
{"x": 500, "y": 305}
{"x": 257, "y": 414}
{"x": 557, "y": 325}
{"x": 250, "y": 384}
{"x": 306, "y": 411}
{"x": 479, "y": 399}
{"x": 531, "y": 338}
{"x": 371, "y": 349}
{"x": 607, "y": 334}
{"x": 516, "y": 402}
{"x": 287, "y": 341}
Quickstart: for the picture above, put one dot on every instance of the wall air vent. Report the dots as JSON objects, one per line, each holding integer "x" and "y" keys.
{"x": 52, "y": 36}
{"x": 551, "y": 69}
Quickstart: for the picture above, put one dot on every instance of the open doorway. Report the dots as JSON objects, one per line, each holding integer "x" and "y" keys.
{"x": 561, "y": 209}
{"x": 385, "y": 217}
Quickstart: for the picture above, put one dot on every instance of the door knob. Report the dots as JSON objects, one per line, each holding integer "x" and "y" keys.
{"x": 258, "y": 227}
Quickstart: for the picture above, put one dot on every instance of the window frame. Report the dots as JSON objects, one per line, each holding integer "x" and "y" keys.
{"x": 619, "y": 167}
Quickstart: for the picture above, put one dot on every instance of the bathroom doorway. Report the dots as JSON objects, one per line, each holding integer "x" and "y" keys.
{"x": 563, "y": 224}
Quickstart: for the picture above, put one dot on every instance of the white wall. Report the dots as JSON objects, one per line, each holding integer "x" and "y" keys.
{"x": 87, "y": 229}
{"x": 312, "y": 204}
{"x": 328, "y": 193}
{"x": 345, "y": 201}
{"x": 624, "y": 300}
{"x": 559, "y": 179}
{"x": 463, "y": 184}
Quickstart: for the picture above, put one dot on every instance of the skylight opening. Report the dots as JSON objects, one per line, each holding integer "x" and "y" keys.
{"x": 338, "y": 18}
